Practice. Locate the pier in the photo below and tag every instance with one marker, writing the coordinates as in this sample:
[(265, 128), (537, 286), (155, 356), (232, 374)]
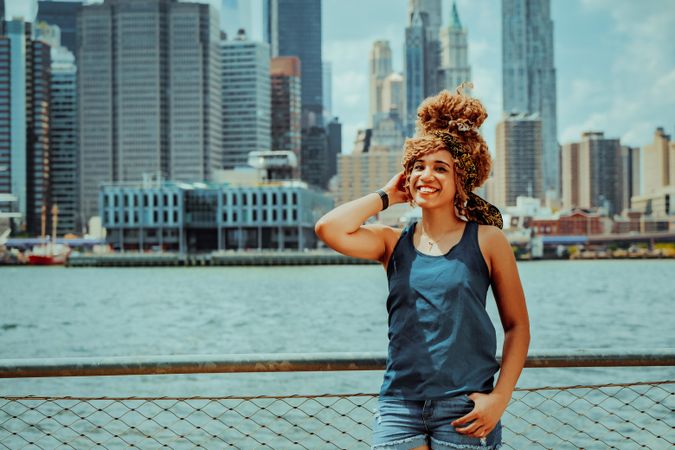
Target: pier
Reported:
[(226, 258)]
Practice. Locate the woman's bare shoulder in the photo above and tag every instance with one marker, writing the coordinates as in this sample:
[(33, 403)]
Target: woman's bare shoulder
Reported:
[(490, 232), (388, 233), (390, 236)]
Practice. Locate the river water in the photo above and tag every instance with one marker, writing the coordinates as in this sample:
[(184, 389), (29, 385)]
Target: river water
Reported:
[(58, 312)]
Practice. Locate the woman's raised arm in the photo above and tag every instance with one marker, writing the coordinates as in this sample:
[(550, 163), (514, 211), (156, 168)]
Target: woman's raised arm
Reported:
[(342, 228)]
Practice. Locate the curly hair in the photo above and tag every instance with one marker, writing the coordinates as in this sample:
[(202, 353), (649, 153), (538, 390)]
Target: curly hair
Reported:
[(460, 116)]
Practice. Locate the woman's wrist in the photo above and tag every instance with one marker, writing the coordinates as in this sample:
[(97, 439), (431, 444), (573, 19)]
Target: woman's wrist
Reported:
[(384, 196)]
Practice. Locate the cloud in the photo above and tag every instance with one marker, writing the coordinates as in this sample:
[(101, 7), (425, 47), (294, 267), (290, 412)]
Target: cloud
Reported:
[(636, 93)]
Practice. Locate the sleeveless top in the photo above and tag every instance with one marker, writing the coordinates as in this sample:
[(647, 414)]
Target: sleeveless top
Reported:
[(441, 340)]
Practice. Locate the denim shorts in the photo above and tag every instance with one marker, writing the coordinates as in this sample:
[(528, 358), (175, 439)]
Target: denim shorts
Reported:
[(404, 424)]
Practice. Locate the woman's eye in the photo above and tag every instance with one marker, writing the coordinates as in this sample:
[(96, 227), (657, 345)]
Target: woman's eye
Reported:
[(442, 169)]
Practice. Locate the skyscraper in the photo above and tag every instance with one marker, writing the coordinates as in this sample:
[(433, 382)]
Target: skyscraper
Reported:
[(393, 97), (24, 121), (630, 164), (380, 68), (294, 29), (659, 162), (334, 135), (422, 56), (600, 173), (517, 165), (570, 175), (314, 157), (286, 105), (327, 91), (149, 93), (414, 62), (63, 14), (246, 99), (454, 69), (529, 77), (63, 141)]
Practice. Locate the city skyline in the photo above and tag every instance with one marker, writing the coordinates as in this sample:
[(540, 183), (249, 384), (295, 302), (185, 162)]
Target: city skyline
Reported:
[(614, 71)]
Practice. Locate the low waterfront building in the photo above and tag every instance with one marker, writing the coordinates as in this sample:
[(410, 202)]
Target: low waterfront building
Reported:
[(202, 217), (634, 222), (659, 202)]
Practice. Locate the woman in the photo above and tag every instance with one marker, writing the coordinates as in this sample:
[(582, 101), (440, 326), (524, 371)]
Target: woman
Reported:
[(438, 389)]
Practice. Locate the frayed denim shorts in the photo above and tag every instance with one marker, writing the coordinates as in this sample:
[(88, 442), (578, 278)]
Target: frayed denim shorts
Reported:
[(404, 424)]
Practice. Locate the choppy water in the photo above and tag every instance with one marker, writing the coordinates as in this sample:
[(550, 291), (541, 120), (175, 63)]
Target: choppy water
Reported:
[(57, 312)]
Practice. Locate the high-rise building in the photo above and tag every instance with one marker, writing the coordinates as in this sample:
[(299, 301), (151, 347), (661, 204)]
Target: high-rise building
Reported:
[(432, 9), (600, 173), (286, 105), (529, 77), (517, 165), (380, 68), (246, 99), (63, 14), (454, 68), (393, 97), (362, 141), (24, 122), (327, 71), (63, 140), (422, 59), (659, 162), (149, 93), (630, 164), (362, 173), (294, 29), (570, 175), (314, 157), (387, 134), (334, 135), (414, 62)]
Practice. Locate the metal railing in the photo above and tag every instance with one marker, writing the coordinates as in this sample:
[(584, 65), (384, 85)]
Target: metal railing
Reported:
[(621, 416)]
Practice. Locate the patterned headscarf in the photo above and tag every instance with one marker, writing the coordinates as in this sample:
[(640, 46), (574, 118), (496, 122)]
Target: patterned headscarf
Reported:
[(476, 208)]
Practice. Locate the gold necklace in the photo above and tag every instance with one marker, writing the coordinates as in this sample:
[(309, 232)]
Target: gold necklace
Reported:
[(431, 243)]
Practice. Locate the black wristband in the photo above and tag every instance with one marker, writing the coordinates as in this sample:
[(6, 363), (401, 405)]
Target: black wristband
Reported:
[(385, 198)]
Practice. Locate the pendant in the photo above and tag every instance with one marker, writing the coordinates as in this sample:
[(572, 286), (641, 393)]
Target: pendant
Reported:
[(431, 244)]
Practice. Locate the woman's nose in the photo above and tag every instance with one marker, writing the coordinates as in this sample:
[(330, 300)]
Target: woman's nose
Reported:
[(426, 173)]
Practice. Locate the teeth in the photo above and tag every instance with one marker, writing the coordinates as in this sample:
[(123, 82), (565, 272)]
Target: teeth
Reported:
[(426, 189)]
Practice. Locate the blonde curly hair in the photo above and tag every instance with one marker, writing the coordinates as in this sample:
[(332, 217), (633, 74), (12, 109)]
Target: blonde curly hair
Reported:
[(459, 116)]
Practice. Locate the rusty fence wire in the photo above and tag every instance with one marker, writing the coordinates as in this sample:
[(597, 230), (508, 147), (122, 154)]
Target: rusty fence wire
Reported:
[(634, 415)]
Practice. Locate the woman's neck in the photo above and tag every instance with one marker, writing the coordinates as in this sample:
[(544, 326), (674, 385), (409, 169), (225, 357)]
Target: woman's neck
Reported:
[(437, 222)]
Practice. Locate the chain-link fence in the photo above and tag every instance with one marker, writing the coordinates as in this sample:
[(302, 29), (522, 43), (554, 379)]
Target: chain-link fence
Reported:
[(621, 416)]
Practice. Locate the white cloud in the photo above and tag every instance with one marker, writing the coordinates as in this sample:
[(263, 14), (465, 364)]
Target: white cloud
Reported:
[(640, 83)]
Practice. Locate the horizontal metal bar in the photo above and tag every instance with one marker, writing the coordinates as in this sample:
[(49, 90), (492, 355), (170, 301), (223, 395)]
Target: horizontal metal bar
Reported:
[(298, 362)]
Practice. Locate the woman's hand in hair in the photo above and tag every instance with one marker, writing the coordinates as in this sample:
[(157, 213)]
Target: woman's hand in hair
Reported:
[(395, 189)]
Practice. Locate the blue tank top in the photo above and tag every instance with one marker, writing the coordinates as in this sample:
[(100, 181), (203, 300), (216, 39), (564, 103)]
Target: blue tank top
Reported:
[(441, 340)]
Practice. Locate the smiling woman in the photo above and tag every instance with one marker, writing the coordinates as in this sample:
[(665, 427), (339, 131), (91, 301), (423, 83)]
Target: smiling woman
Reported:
[(438, 389)]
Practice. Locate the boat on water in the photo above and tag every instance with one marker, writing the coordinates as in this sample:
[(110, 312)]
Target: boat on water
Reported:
[(49, 253)]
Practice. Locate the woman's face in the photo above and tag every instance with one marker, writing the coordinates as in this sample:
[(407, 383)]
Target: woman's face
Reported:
[(432, 180)]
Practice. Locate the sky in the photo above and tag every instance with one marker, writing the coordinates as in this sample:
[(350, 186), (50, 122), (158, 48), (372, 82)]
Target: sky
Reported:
[(615, 59)]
